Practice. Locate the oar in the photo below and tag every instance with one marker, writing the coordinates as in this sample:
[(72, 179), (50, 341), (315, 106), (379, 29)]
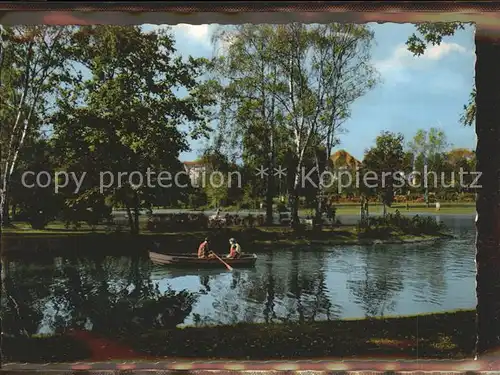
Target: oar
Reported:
[(224, 263)]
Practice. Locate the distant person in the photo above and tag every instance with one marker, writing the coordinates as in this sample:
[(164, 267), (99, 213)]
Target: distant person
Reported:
[(204, 251), (234, 249)]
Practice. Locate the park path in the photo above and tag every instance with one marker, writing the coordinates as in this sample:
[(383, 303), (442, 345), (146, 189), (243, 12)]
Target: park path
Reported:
[(103, 349)]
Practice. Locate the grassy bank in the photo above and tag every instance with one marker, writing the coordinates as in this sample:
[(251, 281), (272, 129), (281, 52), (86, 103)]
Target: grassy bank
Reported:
[(449, 335), (444, 335), (447, 208), (43, 349), (252, 239)]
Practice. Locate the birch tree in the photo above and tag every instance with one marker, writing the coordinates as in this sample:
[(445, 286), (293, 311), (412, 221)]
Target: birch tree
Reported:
[(324, 69), (250, 113), (343, 73), (32, 59), (427, 145)]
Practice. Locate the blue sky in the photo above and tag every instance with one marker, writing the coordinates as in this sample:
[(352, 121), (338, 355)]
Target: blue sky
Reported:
[(415, 92)]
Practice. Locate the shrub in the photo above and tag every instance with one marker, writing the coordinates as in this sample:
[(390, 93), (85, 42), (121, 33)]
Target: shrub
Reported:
[(384, 226)]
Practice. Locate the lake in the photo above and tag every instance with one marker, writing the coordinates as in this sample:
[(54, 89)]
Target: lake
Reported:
[(310, 284)]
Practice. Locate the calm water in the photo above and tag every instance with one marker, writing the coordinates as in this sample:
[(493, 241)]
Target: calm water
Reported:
[(301, 285)]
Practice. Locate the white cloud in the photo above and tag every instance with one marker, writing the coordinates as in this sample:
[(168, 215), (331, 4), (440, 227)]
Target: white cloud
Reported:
[(197, 33), (444, 49), (200, 33), (402, 60)]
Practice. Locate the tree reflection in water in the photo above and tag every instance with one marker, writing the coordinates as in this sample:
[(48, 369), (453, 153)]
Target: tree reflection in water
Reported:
[(115, 294), (23, 299), (291, 289), (107, 295), (382, 281)]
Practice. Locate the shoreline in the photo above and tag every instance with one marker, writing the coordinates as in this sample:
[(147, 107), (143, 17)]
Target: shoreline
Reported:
[(263, 238), (436, 338)]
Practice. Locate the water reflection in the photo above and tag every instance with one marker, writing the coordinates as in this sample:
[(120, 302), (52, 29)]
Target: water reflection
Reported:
[(116, 294)]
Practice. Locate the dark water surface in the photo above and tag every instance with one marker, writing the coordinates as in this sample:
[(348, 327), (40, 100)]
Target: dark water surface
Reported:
[(300, 285)]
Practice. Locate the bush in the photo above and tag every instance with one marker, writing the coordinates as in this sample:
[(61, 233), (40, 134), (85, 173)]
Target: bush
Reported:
[(177, 222), (39, 220), (383, 226)]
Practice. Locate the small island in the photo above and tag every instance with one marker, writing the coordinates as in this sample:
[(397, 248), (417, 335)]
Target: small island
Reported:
[(393, 228)]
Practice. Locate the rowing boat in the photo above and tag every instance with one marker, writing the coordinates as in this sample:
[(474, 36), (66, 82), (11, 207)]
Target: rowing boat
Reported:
[(184, 260)]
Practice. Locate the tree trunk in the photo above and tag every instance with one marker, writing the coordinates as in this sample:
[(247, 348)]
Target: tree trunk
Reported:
[(130, 219), (294, 201), (294, 205), (488, 195), (318, 215), (4, 208), (136, 212), (362, 211), (269, 200), (270, 185)]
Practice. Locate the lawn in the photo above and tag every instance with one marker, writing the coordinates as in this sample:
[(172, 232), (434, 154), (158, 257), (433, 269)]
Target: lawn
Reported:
[(449, 335), (415, 208), (443, 335)]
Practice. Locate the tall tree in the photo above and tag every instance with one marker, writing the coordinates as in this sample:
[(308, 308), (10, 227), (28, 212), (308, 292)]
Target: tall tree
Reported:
[(344, 74), (125, 117), (324, 68), (386, 161), (32, 62), (428, 146), (248, 73)]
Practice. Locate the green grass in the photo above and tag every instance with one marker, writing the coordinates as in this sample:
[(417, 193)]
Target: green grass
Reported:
[(250, 238), (449, 335), (443, 335), (446, 208), (43, 349)]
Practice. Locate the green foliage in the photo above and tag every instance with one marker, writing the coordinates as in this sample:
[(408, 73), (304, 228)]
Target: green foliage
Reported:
[(363, 337), (127, 107), (431, 33), (98, 294), (33, 63), (197, 199), (286, 90), (386, 157), (468, 117), (385, 226), (36, 205), (428, 143)]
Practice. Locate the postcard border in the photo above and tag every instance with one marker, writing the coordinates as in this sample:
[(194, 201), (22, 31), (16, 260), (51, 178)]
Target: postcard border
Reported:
[(486, 16)]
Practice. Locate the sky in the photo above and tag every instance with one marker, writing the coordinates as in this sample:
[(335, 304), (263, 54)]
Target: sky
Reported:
[(414, 92)]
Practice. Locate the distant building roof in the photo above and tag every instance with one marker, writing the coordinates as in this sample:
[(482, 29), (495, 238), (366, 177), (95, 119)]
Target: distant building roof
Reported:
[(193, 163), (344, 158)]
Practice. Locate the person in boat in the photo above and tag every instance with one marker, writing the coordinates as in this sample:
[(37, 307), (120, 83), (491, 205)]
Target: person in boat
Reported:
[(204, 251), (234, 249)]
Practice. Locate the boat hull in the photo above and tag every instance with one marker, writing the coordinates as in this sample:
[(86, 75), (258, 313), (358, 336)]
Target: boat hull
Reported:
[(192, 260)]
